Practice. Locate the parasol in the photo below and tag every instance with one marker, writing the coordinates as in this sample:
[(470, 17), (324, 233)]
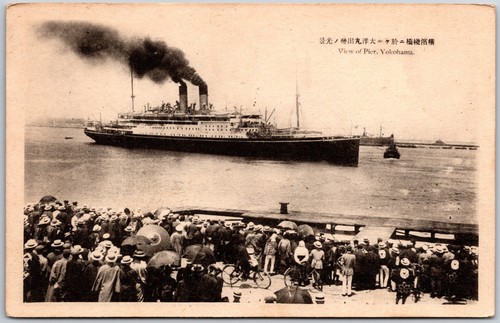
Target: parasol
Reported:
[(305, 230), (164, 258), (159, 237), (288, 225), (48, 199), (197, 254), (136, 242)]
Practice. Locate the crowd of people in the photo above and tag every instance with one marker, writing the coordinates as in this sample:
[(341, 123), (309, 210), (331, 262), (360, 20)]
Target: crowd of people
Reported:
[(74, 254)]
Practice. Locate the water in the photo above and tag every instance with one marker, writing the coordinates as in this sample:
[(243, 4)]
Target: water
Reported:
[(425, 183)]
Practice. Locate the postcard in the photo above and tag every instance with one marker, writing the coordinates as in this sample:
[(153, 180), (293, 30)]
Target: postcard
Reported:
[(250, 160)]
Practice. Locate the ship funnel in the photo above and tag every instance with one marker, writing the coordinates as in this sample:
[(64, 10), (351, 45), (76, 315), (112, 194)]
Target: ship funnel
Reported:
[(203, 96), (183, 97)]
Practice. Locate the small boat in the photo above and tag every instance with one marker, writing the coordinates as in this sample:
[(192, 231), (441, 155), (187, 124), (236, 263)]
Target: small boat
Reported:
[(68, 138), (392, 152)]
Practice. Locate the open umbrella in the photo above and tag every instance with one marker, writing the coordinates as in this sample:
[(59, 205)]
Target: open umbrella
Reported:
[(164, 258), (162, 209), (288, 225), (305, 230), (48, 199), (138, 241), (295, 295), (159, 237), (198, 254)]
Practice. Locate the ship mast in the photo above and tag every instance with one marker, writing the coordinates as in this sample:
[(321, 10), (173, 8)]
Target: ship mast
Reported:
[(297, 101), (132, 87)]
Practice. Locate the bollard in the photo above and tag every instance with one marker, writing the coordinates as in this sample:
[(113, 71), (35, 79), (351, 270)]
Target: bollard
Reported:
[(236, 297), (284, 207), (320, 299)]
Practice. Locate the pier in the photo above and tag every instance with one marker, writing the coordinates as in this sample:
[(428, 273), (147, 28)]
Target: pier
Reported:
[(403, 144), (357, 227)]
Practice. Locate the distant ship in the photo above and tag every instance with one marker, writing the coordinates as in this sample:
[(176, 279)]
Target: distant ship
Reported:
[(367, 140), (392, 152), (188, 129)]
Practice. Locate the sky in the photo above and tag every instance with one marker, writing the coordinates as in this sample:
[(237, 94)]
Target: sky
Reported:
[(254, 57)]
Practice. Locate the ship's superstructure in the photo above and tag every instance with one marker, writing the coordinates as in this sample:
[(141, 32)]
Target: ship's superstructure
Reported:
[(187, 128)]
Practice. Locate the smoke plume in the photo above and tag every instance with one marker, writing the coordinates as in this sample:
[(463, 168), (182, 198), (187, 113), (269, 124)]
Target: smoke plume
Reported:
[(153, 59)]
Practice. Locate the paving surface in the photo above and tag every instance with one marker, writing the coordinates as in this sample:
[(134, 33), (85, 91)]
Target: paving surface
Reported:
[(250, 293)]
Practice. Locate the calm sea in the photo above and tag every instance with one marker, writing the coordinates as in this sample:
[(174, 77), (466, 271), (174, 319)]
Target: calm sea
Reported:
[(425, 183)]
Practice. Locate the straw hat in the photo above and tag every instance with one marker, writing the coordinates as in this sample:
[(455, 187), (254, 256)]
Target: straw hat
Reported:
[(96, 256), (318, 244), (126, 260), (76, 250), (30, 244), (55, 223), (139, 254), (44, 220), (96, 228), (111, 258), (57, 243), (438, 248)]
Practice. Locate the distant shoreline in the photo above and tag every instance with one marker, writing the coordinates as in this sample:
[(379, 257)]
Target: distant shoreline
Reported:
[(56, 126)]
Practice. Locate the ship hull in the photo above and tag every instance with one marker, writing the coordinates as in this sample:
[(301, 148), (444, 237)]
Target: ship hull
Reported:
[(343, 151)]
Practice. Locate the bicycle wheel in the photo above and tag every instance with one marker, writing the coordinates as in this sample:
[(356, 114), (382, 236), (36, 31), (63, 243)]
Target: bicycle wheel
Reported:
[(230, 274), (262, 280), (290, 277)]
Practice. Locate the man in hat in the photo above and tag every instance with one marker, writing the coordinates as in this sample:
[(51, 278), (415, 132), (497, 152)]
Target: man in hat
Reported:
[(55, 231), (347, 262), (139, 265), (285, 253), (317, 257), (89, 275), (56, 253), (128, 280), (437, 271), (193, 282), (383, 255), (210, 287), (32, 272), (56, 291), (176, 240), (81, 236), (74, 277), (95, 236), (107, 282), (41, 232)]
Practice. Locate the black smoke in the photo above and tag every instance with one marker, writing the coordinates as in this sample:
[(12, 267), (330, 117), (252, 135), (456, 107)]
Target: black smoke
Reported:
[(146, 58)]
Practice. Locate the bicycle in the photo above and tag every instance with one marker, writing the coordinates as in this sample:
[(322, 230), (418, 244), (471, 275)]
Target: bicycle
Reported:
[(231, 275), (294, 275)]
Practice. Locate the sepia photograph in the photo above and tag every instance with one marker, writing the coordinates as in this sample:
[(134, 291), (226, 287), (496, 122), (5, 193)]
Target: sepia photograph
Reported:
[(250, 160)]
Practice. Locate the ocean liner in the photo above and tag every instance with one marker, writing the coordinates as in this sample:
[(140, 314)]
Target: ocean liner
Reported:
[(202, 130)]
